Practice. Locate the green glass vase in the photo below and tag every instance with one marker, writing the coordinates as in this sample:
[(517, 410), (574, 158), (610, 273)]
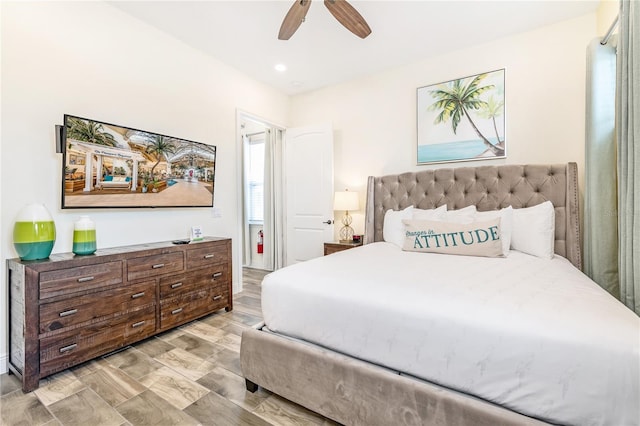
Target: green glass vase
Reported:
[(84, 236), (34, 232)]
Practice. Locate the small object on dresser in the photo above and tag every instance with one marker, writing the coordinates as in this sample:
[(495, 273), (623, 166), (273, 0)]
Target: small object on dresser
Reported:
[(196, 233), (181, 241), (357, 238), (84, 236), (34, 232)]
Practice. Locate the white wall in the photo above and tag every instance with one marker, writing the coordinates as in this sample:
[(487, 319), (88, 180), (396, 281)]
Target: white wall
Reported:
[(606, 14), (92, 60), (374, 118)]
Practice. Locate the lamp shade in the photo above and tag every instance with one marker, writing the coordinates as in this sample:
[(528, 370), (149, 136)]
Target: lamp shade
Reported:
[(345, 200)]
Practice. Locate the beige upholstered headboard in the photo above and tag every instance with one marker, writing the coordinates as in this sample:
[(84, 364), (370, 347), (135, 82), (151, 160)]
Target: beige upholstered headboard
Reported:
[(489, 188)]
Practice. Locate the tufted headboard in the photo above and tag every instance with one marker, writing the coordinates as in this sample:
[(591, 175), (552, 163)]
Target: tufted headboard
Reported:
[(489, 188)]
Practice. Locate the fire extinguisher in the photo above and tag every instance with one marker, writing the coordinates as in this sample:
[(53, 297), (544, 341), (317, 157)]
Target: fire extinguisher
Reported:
[(260, 241)]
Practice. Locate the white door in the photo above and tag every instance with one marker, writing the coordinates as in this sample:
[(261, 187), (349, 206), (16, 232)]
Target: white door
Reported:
[(309, 191)]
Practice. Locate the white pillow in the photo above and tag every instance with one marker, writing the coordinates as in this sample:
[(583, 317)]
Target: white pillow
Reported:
[(534, 230), (393, 228), (463, 215), (506, 225), (431, 214), (469, 239)]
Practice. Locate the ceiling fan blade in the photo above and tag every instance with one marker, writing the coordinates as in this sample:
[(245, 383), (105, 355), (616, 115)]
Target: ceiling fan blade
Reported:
[(348, 16), (294, 18)]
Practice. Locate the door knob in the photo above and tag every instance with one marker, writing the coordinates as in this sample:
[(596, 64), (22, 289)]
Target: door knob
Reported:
[(328, 222)]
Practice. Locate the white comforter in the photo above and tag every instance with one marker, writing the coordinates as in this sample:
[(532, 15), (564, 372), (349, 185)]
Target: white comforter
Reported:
[(534, 335)]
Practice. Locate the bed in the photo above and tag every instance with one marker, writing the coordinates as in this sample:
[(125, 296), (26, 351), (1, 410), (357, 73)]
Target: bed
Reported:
[(362, 337)]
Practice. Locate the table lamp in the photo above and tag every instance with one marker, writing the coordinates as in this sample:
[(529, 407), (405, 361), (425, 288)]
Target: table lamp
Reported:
[(345, 200)]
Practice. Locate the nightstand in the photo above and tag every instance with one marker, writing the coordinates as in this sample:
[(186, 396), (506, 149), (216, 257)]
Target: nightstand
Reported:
[(334, 247)]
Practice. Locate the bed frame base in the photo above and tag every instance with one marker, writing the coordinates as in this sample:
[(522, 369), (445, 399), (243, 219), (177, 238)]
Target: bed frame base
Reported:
[(251, 387), (354, 392)]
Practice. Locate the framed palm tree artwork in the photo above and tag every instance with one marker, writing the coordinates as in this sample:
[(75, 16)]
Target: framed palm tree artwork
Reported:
[(462, 119)]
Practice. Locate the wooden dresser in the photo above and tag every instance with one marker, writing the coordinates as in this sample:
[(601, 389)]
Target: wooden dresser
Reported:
[(69, 309)]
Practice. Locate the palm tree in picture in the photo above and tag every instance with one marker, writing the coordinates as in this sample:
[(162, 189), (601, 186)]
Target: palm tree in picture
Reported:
[(160, 147), (491, 110), (455, 99), (89, 131)]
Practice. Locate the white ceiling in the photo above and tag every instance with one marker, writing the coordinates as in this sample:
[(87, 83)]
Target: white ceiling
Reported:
[(243, 34)]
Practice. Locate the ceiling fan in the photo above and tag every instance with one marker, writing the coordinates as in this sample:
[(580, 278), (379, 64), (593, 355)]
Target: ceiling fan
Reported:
[(346, 14)]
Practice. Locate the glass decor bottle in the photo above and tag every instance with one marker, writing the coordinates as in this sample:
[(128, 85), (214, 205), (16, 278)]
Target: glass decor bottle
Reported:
[(84, 236), (34, 232)]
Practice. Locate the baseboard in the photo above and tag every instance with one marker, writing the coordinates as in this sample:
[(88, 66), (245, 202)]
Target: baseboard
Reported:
[(4, 366)]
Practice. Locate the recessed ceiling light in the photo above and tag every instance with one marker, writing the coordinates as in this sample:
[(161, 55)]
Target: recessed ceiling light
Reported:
[(280, 67)]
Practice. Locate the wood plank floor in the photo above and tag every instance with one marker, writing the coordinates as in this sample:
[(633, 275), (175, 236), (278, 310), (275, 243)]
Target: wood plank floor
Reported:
[(187, 376)]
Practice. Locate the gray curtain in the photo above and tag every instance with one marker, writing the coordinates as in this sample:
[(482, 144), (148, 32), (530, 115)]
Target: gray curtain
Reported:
[(246, 236), (628, 135), (600, 196), (273, 204)]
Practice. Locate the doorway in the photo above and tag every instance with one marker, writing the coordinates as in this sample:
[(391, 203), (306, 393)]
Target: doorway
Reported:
[(261, 182), (253, 148), (295, 194)]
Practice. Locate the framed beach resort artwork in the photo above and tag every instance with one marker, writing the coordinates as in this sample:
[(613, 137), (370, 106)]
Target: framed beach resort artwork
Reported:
[(462, 119)]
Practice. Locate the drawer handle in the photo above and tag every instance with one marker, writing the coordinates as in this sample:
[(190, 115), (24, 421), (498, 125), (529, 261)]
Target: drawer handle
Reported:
[(69, 312), (135, 296), (85, 279), (217, 275), (176, 311), (68, 348), (209, 256), (176, 285), (158, 266), (218, 297), (137, 324)]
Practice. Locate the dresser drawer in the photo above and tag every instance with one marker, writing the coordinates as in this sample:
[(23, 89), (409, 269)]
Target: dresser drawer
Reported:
[(192, 305), (77, 310), (151, 266), (210, 254), (191, 281), (73, 280), (79, 345)]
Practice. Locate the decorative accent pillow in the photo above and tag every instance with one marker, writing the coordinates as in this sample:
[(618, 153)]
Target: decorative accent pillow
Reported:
[(506, 225), (534, 230), (431, 214), (468, 239), (463, 215), (392, 228)]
